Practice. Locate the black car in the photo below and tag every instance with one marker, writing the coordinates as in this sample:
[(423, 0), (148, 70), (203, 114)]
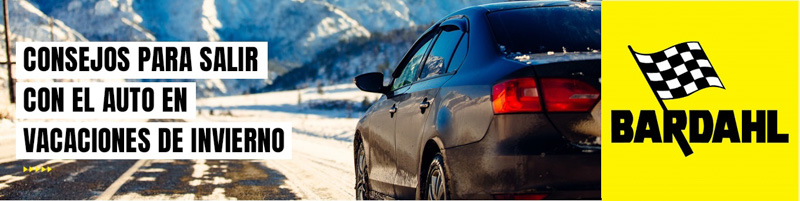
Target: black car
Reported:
[(498, 101)]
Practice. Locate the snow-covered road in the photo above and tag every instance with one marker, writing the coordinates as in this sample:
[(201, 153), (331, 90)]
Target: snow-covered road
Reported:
[(322, 157), (321, 166)]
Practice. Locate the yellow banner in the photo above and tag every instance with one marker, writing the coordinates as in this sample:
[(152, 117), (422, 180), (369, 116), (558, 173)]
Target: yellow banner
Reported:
[(753, 47)]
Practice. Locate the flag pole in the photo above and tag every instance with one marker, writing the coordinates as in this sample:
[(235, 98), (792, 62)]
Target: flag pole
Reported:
[(682, 142), (648, 80)]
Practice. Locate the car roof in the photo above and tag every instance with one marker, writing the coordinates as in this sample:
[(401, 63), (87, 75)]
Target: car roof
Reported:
[(530, 4)]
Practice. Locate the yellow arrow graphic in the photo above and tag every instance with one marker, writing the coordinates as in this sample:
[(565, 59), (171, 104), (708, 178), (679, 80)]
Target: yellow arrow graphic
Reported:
[(37, 169)]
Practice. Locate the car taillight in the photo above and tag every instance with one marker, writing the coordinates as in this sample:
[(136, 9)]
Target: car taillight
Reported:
[(568, 95), (520, 196), (554, 95), (516, 95)]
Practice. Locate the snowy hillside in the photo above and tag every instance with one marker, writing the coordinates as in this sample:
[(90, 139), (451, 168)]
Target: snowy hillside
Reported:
[(311, 41), (103, 20), (333, 40), (386, 15), (170, 21), (339, 64), (30, 24), (295, 28)]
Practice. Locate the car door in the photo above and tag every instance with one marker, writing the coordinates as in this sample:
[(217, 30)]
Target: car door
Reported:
[(381, 146), (417, 104), (382, 160)]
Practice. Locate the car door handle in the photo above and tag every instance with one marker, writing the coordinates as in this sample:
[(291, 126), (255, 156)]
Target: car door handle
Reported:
[(424, 104), (393, 109)]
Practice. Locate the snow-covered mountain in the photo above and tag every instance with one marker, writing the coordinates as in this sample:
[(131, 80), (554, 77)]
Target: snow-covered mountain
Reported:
[(180, 20), (99, 20), (30, 24), (297, 30), (386, 15), (294, 28), (340, 63)]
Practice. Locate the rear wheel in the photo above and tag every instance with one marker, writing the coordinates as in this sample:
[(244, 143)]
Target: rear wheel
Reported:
[(435, 186), (362, 190)]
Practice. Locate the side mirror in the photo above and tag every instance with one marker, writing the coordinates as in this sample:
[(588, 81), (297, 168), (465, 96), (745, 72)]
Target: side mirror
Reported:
[(370, 82)]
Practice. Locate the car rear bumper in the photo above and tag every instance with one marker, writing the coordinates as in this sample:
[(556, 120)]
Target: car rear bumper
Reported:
[(523, 154)]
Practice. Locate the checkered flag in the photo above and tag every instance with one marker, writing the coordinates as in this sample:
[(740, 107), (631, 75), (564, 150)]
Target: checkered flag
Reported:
[(678, 71)]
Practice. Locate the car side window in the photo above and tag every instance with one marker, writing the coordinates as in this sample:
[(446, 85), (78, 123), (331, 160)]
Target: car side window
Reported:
[(411, 69), (460, 54), (441, 53)]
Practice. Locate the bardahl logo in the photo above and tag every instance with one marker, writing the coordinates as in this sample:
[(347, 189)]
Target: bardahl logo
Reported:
[(677, 72)]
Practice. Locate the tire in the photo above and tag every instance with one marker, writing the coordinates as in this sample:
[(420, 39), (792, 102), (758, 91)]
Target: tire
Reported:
[(435, 186), (362, 189)]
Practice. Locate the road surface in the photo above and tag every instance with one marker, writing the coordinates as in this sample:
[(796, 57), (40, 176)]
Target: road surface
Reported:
[(321, 166), (316, 171)]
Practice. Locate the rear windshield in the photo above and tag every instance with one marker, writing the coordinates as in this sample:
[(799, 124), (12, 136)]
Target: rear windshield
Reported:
[(547, 29)]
